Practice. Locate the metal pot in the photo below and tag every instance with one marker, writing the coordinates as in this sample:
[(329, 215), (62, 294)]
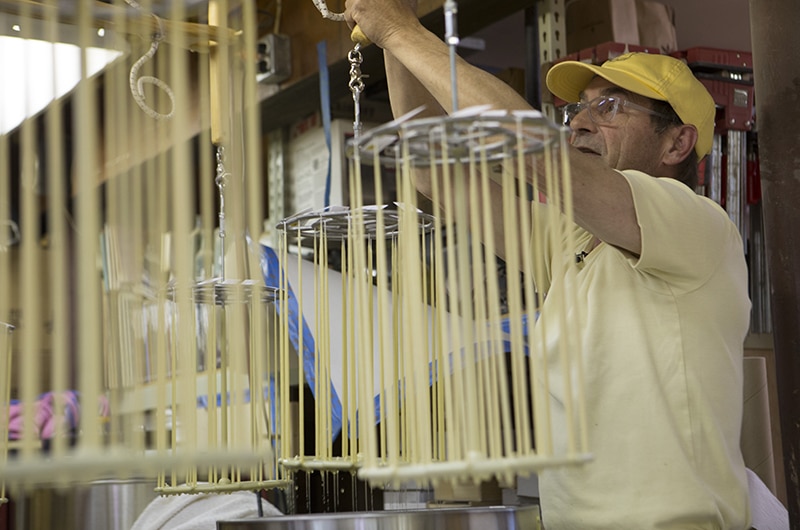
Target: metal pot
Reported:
[(480, 518), (105, 504)]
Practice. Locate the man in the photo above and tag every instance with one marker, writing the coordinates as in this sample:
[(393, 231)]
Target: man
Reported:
[(663, 281)]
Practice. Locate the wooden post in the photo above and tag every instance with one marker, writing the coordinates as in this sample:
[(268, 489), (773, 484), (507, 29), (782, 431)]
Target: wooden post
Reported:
[(219, 72), (776, 64)]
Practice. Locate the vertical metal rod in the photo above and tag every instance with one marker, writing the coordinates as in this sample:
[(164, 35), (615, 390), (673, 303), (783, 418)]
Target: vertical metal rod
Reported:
[(533, 65), (714, 171), (775, 65), (452, 40), (735, 186)]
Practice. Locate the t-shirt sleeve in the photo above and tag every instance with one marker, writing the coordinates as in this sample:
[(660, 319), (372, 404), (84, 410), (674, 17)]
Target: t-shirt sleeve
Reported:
[(683, 233)]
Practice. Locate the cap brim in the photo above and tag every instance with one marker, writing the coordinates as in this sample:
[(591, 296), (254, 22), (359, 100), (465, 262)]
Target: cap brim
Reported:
[(566, 80)]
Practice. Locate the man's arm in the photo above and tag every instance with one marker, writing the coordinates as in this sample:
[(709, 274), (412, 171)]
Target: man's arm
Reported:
[(406, 93), (418, 66)]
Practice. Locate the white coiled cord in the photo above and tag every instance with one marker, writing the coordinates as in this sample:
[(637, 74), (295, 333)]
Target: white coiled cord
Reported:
[(323, 9), (137, 83)]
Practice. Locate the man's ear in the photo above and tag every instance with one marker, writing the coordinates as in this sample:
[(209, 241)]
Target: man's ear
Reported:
[(684, 138)]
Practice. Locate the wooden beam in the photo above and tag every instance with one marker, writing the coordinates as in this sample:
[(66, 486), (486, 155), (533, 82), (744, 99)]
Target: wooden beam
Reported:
[(200, 37), (775, 67)]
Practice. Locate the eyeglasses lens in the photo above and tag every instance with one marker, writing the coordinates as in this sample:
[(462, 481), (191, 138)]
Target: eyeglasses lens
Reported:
[(601, 110)]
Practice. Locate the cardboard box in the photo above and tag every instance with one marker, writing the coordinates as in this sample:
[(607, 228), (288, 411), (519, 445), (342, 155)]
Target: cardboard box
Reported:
[(656, 24), (590, 22), (636, 22)]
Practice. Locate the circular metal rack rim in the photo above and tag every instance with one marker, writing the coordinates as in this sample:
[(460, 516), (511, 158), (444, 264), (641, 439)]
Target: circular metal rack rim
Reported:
[(336, 223), (223, 292), (494, 136)]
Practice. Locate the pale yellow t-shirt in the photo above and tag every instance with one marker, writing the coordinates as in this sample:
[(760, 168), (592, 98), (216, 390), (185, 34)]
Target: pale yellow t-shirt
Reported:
[(662, 352)]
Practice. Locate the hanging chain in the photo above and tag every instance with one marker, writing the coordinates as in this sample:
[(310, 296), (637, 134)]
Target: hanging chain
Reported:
[(356, 85), (222, 181)]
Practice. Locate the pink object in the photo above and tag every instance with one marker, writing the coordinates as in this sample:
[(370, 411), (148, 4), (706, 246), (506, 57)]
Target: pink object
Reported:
[(54, 412)]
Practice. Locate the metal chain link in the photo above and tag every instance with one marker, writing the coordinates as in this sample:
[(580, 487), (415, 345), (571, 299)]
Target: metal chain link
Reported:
[(222, 181), (356, 85)]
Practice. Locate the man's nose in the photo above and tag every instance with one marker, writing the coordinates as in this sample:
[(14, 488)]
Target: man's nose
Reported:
[(582, 121)]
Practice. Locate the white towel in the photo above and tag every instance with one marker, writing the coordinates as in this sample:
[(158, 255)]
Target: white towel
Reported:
[(766, 510), (200, 511)]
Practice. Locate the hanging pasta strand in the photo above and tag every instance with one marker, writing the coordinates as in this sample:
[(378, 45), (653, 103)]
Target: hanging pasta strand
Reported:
[(164, 359), (466, 387), (165, 355), (334, 412)]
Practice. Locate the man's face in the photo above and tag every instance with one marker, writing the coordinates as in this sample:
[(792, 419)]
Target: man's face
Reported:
[(629, 141)]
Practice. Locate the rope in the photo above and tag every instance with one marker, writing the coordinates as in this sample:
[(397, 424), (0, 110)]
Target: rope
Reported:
[(323, 9), (137, 83)]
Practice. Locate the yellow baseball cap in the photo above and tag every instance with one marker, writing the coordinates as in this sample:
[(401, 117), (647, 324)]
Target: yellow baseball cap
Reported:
[(651, 75)]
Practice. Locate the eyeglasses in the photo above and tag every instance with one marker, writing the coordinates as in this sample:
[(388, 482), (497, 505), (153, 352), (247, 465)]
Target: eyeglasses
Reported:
[(603, 109)]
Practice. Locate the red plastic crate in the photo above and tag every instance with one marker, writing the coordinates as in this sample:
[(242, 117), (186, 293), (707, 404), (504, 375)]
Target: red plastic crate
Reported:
[(610, 50), (698, 58), (728, 76)]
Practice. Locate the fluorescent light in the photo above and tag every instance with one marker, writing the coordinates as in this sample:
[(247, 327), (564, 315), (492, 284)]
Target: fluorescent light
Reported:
[(36, 72)]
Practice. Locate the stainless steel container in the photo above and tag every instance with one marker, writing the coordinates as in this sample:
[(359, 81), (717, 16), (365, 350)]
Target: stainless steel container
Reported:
[(480, 518), (104, 504)]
